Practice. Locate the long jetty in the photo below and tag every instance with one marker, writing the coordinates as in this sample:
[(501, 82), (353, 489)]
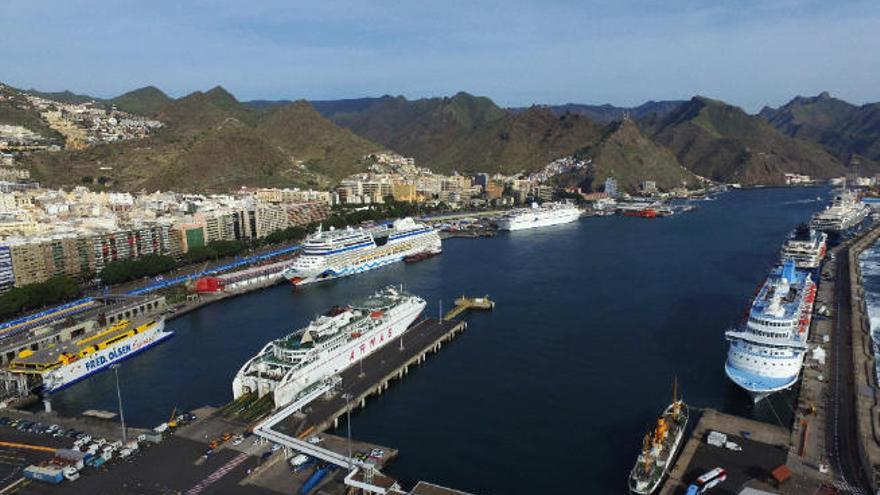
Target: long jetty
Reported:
[(373, 375)]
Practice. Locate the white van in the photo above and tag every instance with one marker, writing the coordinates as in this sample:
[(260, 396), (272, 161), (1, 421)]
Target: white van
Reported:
[(70, 473)]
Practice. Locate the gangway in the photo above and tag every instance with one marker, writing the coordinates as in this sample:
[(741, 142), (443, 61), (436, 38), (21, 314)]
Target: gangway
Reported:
[(264, 430)]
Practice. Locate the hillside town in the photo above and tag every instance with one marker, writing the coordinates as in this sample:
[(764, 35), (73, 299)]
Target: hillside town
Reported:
[(80, 124)]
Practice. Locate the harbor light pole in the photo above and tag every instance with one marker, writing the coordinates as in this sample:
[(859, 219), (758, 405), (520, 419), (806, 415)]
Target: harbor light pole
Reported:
[(119, 396), (348, 398)]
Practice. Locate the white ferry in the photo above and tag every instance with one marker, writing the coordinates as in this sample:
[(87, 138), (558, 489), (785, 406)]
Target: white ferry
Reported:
[(338, 253), (68, 362), (767, 353), (290, 365), (806, 247), (845, 212), (539, 216)]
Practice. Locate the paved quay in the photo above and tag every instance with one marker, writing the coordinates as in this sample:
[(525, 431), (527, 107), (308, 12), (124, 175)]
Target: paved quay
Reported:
[(764, 449)]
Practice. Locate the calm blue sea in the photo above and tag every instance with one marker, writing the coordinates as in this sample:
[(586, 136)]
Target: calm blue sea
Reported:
[(593, 321)]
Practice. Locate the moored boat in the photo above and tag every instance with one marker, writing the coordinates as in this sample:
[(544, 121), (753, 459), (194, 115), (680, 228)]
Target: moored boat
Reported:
[(538, 216), (413, 258), (660, 447), (767, 352), (644, 213), (66, 363), (289, 366), (339, 253)]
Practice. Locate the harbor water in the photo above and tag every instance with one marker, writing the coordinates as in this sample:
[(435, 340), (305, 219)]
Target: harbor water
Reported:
[(557, 386)]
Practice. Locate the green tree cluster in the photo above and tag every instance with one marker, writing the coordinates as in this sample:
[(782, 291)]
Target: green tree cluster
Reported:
[(146, 266), (31, 296)]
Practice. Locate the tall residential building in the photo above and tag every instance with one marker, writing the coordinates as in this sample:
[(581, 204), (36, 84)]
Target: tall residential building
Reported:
[(404, 191), (28, 264), (7, 275), (611, 187), (270, 218)]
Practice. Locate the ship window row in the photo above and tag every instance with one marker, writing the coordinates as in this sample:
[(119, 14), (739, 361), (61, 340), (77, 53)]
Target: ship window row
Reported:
[(765, 363), (772, 335), (768, 323), (754, 352)]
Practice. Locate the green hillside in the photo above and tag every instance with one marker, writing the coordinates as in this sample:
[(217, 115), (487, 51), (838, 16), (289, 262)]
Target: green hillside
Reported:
[(723, 143), (213, 143), (630, 157), (145, 101), (850, 132)]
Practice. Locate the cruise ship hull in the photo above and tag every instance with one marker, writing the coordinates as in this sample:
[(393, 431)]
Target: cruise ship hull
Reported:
[(767, 354), (66, 376), (304, 277), (315, 268), (758, 387), (527, 221), (331, 363)]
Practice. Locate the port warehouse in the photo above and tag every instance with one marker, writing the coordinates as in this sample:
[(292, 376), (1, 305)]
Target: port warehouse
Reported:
[(242, 279)]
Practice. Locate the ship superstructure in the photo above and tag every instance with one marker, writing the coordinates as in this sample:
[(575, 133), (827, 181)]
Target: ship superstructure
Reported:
[(333, 342), (806, 247), (659, 447), (767, 352), (330, 254), (539, 216), (68, 362), (845, 212)]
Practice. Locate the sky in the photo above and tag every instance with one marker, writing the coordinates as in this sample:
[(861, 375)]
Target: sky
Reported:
[(750, 52)]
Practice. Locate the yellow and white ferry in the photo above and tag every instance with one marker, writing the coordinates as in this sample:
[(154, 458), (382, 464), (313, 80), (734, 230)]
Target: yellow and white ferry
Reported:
[(68, 362)]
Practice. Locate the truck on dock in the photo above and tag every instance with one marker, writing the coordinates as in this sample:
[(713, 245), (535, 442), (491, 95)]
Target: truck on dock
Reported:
[(46, 474)]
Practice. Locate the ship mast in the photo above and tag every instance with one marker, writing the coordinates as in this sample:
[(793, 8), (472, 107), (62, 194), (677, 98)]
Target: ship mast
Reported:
[(676, 403)]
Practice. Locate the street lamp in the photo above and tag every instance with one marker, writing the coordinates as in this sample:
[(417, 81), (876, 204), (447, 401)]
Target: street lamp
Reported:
[(115, 368), (348, 398)]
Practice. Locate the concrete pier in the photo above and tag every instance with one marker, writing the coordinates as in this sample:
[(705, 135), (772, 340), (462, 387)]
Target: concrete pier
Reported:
[(380, 369)]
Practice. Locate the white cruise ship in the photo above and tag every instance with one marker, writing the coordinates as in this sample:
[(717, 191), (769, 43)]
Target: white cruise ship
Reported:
[(290, 365), (845, 212), (539, 216), (338, 253), (806, 247), (766, 354), (66, 363)]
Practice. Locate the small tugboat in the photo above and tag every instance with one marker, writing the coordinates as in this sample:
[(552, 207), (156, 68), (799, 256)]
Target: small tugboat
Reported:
[(420, 256), (660, 447)]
